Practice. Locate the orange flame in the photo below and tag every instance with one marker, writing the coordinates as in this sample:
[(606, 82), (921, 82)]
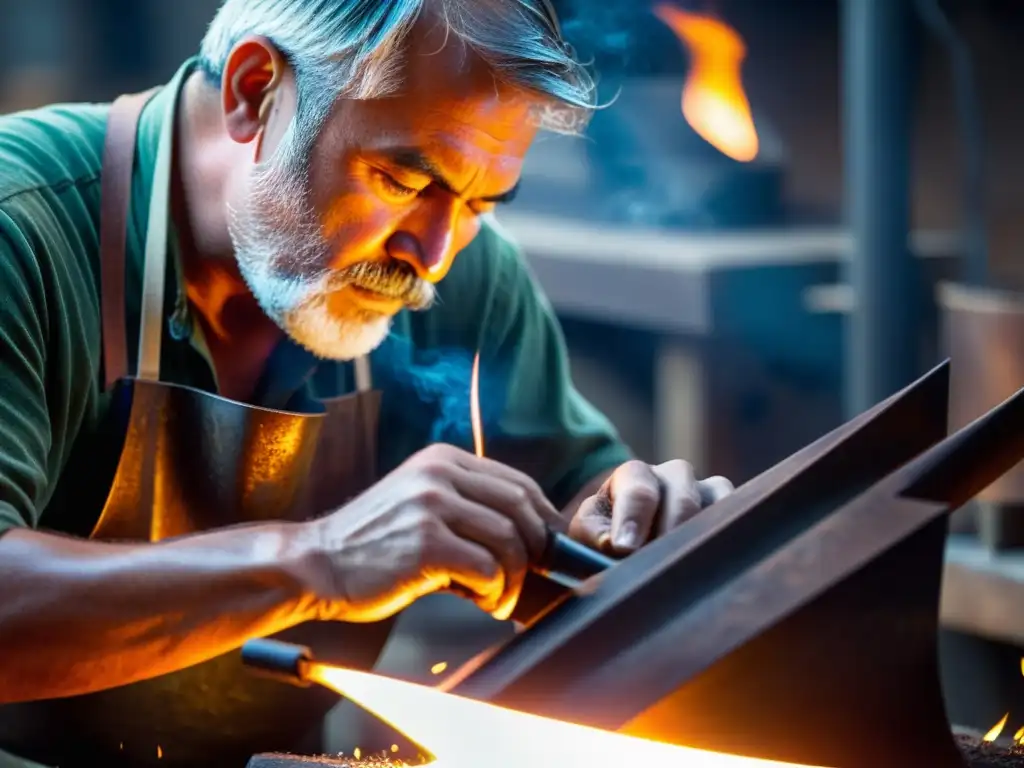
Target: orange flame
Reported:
[(996, 729), (460, 731), (714, 102), (474, 408)]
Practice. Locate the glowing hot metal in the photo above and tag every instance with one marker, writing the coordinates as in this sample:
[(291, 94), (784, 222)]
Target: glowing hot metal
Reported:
[(463, 733)]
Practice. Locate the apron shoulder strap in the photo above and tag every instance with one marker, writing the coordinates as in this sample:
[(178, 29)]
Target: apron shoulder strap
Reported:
[(115, 200)]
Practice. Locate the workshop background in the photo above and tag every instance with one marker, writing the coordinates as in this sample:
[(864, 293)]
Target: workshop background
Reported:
[(789, 209)]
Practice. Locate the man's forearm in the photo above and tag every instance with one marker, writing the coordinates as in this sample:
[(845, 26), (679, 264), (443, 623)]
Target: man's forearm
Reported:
[(78, 616)]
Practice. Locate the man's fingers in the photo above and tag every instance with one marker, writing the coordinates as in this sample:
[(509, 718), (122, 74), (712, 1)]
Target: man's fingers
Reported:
[(635, 492), (638, 500), (681, 494), (592, 523), (714, 489), (490, 468), (510, 500), (468, 567), (497, 534), (619, 518)]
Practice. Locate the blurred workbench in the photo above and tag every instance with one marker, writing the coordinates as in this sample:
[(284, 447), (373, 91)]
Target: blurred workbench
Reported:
[(727, 311)]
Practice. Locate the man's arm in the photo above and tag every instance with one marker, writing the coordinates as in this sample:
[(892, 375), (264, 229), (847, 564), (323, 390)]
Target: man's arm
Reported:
[(77, 616)]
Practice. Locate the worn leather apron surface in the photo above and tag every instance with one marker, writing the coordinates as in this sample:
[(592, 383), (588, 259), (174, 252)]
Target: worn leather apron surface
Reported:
[(193, 461)]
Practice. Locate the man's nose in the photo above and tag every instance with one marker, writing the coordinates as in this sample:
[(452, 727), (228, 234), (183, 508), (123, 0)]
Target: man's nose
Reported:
[(425, 244)]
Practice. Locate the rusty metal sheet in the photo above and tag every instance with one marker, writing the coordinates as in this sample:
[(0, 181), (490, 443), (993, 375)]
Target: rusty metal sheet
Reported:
[(795, 620)]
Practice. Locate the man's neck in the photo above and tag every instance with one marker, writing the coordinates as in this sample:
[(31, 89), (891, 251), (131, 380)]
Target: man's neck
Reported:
[(240, 336)]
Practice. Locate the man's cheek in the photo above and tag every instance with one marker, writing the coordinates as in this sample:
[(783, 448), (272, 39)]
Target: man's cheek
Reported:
[(354, 212), (466, 228)]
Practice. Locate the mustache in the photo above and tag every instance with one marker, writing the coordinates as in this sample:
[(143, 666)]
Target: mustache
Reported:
[(396, 280)]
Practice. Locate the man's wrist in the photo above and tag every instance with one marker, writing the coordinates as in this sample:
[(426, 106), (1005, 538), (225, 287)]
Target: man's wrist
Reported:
[(303, 562)]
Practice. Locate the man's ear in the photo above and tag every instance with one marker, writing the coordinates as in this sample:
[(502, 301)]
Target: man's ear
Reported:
[(252, 72)]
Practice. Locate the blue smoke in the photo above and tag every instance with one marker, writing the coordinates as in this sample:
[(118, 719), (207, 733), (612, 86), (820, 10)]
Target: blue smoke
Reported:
[(432, 386), (622, 37)]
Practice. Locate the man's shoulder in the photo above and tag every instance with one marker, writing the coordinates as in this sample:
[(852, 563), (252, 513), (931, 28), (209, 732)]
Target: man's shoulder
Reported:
[(55, 147), (50, 163), (50, 160)]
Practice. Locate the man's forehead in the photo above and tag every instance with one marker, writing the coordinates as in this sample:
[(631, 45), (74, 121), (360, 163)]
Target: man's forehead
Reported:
[(441, 73), (448, 93), (449, 107)]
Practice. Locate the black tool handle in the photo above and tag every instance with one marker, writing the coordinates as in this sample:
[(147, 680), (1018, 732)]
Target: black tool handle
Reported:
[(570, 562), (285, 662)]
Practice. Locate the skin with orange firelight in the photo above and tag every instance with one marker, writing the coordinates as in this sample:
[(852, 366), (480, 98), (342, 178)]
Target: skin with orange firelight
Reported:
[(392, 190), (324, 243)]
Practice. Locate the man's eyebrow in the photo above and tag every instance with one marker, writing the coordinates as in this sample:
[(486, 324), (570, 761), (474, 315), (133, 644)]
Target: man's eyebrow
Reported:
[(414, 160), (503, 197)]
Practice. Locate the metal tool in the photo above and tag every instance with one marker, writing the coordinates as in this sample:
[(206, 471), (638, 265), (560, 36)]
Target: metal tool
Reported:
[(570, 563), (284, 662)]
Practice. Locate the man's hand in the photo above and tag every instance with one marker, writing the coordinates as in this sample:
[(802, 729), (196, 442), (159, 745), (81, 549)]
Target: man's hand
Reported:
[(444, 520), (639, 502)]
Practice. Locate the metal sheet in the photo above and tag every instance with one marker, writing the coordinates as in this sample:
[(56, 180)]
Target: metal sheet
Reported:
[(796, 620)]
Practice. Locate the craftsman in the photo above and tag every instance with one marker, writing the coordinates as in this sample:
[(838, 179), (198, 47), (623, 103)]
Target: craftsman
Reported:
[(236, 322)]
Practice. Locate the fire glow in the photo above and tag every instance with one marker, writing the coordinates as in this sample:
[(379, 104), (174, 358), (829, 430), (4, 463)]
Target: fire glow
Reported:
[(463, 733), (997, 730), (714, 102), (474, 409)]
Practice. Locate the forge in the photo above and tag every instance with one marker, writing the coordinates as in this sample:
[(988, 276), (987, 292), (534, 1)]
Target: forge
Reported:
[(677, 145), (651, 168), (795, 621)]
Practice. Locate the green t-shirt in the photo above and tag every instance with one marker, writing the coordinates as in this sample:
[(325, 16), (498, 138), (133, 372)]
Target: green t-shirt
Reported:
[(52, 407)]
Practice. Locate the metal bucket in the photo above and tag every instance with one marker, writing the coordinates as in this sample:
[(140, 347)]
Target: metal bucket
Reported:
[(983, 333)]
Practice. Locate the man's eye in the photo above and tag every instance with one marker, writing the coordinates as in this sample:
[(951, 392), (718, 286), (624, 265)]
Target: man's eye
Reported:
[(393, 189)]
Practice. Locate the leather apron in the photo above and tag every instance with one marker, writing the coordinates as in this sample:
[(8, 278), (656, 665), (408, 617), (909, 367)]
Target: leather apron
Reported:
[(192, 461)]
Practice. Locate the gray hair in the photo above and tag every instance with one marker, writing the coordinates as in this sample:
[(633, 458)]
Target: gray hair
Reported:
[(352, 49)]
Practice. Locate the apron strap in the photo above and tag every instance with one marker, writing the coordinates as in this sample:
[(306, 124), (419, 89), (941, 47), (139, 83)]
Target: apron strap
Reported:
[(364, 376), (154, 274), (115, 201)]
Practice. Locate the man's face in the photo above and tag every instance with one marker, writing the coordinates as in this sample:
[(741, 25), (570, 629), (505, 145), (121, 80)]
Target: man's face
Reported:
[(395, 188)]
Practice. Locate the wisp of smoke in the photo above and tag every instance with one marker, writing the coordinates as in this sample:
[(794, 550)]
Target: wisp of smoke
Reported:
[(432, 387)]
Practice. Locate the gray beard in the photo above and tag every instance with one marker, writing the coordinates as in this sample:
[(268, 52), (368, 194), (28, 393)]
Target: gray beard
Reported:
[(282, 255)]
